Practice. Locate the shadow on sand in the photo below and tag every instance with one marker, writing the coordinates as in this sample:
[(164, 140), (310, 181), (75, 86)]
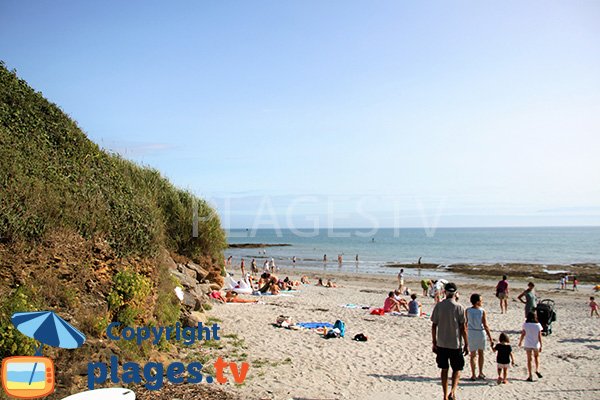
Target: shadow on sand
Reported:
[(417, 378), (579, 340)]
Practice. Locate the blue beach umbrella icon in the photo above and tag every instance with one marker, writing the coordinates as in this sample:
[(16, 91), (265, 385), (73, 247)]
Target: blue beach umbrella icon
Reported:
[(47, 328)]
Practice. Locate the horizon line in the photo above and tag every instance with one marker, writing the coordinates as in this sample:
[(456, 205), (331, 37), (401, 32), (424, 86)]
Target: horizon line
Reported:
[(421, 227)]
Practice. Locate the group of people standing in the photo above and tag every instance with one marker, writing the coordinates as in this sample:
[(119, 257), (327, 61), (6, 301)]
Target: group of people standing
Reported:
[(457, 333), (564, 282)]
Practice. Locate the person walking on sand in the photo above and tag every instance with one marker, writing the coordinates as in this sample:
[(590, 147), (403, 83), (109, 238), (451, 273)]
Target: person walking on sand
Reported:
[(504, 358), (502, 294), (448, 333), (532, 334), (593, 307), (476, 327), (401, 280), (528, 298), (575, 282)]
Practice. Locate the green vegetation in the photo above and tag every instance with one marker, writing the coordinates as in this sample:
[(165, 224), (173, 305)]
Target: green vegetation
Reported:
[(58, 184), (54, 177), (12, 341), (129, 287), (213, 320), (129, 291), (167, 309)]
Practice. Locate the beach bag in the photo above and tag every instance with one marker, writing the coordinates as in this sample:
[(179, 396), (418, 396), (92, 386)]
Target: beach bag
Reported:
[(339, 324), (359, 337)]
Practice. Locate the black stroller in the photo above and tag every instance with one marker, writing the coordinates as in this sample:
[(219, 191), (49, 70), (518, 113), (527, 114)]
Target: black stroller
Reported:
[(546, 315)]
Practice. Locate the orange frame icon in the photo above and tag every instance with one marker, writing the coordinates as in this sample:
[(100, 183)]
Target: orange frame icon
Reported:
[(41, 387)]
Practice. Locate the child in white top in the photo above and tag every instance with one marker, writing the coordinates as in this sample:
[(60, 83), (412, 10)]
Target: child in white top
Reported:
[(532, 334)]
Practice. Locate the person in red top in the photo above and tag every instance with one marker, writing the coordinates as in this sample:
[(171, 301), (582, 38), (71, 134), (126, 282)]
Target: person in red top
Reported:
[(502, 294), (391, 304)]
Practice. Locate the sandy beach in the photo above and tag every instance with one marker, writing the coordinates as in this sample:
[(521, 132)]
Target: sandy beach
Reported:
[(397, 362)]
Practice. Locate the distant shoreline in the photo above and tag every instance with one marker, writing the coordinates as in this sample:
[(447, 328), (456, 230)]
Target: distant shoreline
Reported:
[(256, 245), (588, 272)]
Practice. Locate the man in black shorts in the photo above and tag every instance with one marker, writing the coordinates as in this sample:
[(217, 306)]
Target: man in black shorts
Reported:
[(448, 332)]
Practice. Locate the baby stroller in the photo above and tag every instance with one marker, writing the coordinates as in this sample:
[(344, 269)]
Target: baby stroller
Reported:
[(546, 315)]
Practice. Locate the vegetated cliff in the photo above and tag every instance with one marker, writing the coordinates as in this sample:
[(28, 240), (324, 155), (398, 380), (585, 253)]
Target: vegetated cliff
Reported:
[(91, 235)]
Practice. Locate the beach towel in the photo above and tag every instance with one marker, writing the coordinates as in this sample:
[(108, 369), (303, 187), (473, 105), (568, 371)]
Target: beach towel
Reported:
[(314, 325), (352, 306), (270, 294), (398, 314), (378, 311)]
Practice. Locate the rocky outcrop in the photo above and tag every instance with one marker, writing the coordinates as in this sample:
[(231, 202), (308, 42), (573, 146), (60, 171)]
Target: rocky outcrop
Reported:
[(196, 284)]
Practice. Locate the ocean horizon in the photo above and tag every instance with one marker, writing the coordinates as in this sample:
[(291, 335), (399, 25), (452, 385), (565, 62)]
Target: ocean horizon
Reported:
[(444, 246)]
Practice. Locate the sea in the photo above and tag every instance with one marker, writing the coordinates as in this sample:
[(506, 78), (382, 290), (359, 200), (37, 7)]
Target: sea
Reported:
[(376, 249)]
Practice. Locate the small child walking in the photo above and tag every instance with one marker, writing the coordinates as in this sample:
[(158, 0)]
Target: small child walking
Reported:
[(593, 307), (504, 357)]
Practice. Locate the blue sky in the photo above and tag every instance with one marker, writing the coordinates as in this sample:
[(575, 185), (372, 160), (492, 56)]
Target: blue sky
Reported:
[(467, 113)]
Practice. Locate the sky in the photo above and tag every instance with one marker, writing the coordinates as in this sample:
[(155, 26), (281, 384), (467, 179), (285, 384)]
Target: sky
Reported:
[(353, 113)]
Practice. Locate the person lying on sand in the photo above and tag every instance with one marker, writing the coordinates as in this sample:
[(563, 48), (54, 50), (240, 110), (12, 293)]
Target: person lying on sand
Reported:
[(232, 297), (320, 282), (304, 280), (290, 283), (331, 284), (283, 285), (216, 295)]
